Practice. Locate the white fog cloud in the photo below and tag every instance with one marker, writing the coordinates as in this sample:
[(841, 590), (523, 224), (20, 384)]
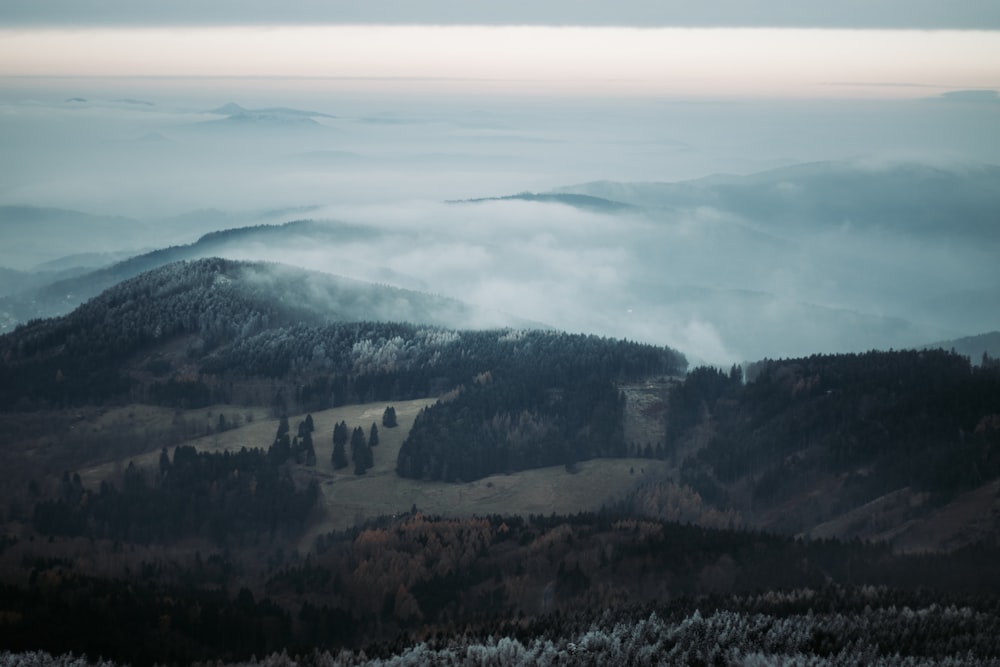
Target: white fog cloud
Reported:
[(716, 276)]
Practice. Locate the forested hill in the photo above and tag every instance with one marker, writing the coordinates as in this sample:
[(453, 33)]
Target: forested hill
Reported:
[(209, 303), (61, 294), (542, 400), (829, 433), (510, 399)]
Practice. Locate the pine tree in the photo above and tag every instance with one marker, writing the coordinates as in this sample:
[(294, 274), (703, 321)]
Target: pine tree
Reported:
[(389, 417), (302, 449), (310, 452), (339, 457), (360, 452), (373, 436), (164, 462), (281, 449)]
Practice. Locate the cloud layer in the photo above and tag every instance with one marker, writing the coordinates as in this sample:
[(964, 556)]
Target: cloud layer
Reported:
[(724, 269)]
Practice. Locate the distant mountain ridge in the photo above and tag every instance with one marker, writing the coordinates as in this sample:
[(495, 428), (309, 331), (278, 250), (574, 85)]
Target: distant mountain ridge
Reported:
[(233, 109), (911, 197), (581, 201), (237, 116), (972, 347), (62, 295)]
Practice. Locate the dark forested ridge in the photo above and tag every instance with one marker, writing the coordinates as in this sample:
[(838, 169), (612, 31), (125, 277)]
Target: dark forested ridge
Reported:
[(544, 400), (229, 498), (515, 399), (215, 331), (859, 426), (577, 582), (212, 303)]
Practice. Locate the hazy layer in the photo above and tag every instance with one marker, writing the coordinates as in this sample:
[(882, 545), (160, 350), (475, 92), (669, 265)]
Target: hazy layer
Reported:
[(715, 279)]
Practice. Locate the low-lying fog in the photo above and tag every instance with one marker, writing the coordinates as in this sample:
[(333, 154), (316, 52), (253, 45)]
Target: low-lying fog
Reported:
[(714, 270)]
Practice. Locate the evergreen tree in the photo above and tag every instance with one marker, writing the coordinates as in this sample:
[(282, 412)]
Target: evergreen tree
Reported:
[(373, 436), (340, 434), (302, 447), (164, 462), (357, 443), (281, 450), (361, 453), (310, 451), (389, 417), (339, 457), (282, 427)]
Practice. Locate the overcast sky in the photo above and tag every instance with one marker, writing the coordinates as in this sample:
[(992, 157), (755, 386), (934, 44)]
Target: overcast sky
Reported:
[(923, 14)]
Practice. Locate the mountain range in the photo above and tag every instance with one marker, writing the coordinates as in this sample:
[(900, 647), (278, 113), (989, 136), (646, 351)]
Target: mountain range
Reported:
[(856, 480), (823, 257)]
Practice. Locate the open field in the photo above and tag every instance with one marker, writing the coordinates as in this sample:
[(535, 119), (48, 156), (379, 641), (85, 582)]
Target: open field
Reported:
[(348, 498)]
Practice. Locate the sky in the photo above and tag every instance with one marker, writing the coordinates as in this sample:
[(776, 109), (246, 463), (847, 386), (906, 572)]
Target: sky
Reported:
[(731, 49), (737, 62)]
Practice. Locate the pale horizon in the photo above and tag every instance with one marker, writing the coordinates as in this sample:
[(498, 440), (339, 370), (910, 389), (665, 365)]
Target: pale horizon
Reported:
[(778, 63)]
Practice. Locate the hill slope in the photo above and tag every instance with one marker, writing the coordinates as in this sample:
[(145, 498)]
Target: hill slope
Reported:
[(58, 295), (209, 303), (862, 445)]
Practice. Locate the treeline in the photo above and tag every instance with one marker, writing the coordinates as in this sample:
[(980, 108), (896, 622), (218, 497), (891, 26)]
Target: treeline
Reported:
[(888, 631), (421, 570), (513, 399), (138, 622), (83, 357), (230, 498), (78, 357), (382, 586), (925, 419), (762, 630), (381, 361), (242, 322), (542, 399)]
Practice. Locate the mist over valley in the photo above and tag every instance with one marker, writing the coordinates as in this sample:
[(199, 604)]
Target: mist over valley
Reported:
[(859, 253)]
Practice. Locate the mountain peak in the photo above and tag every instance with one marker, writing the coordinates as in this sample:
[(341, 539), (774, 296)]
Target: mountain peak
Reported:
[(230, 109)]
